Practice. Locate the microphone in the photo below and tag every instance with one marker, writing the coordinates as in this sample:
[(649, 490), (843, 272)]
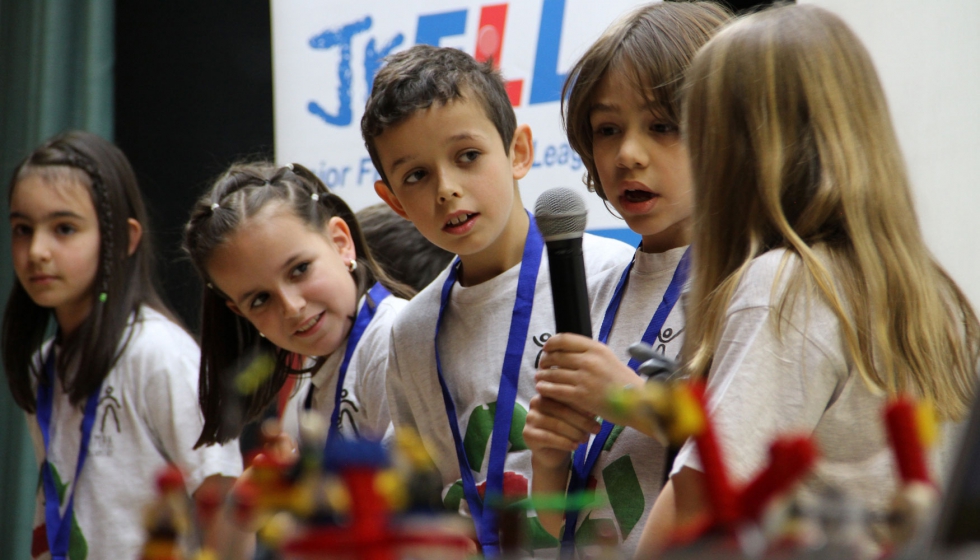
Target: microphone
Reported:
[(560, 214)]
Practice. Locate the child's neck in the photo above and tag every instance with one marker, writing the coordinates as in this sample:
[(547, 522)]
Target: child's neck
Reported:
[(677, 235), (505, 252)]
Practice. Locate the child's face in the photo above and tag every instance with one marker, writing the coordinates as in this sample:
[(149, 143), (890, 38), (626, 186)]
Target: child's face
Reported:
[(451, 176), (289, 281), (55, 245), (642, 164)]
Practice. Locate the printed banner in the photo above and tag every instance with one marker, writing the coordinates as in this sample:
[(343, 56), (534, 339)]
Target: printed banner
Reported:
[(326, 53)]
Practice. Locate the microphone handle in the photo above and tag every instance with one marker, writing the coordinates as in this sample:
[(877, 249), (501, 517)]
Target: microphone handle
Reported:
[(568, 288)]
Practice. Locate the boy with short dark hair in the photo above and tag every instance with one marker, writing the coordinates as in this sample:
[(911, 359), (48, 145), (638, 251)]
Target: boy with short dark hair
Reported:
[(443, 135)]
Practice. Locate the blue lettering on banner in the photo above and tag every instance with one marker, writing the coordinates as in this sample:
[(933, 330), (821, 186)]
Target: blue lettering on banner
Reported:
[(557, 155), (546, 81), (373, 57), (341, 38), (433, 27), (367, 170)]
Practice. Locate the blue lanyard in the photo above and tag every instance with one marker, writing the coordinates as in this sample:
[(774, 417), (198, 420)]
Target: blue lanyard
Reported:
[(375, 296), (486, 519), (59, 526), (586, 456)]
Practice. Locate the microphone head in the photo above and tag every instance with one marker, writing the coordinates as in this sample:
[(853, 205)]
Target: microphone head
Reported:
[(560, 214)]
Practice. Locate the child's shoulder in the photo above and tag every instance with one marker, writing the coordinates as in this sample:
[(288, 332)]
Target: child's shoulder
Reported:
[(156, 336), (423, 309), (602, 253)]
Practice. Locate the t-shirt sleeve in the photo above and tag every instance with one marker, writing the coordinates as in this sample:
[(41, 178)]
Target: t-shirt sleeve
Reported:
[(764, 384), (172, 414), (398, 407), (370, 387)]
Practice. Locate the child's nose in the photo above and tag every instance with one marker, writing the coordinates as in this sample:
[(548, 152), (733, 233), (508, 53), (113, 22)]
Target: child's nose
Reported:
[(292, 303), (448, 188), (40, 248), (633, 152)]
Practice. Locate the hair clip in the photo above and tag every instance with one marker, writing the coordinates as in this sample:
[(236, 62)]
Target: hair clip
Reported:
[(215, 206), (210, 285), (103, 297), (315, 197)]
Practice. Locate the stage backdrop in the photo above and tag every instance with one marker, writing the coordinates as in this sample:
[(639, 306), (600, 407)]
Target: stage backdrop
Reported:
[(325, 53), (325, 56)]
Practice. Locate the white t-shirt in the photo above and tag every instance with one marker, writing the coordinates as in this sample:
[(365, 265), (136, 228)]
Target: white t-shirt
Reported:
[(762, 386), (472, 342), (630, 469), (147, 416), (363, 405)]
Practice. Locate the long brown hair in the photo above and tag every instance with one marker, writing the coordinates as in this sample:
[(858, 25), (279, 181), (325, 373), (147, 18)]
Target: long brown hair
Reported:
[(229, 342), (792, 147)]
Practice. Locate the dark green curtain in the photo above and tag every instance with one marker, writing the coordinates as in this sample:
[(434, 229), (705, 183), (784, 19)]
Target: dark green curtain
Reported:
[(56, 73)]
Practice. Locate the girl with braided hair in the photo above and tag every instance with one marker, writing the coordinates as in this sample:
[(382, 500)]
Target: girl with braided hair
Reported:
[(289, 276), (119, 363)]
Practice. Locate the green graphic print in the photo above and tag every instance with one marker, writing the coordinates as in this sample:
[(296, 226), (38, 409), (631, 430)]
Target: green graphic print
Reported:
[(622, 488), (476, 444)]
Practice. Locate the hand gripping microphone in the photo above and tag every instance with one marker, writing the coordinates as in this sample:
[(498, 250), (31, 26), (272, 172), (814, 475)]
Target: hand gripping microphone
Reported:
[(560, 214)]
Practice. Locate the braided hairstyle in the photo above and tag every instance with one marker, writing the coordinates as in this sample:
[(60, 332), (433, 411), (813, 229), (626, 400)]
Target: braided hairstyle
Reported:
[(122, 284), (229, 342)]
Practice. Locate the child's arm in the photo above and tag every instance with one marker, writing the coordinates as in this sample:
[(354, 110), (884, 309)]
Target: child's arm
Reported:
[(681, 502), (581, 373), (553, 430)]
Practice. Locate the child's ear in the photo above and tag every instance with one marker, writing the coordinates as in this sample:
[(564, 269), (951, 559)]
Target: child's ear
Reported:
[(522, 151), (135, 235), (390, 199), (338, 232)]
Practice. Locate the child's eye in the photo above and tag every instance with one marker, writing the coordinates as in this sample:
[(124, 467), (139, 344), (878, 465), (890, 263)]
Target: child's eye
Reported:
[(414, 176), (605, 130), (469, 156), (65, 229), (663, 128), (258, 300), (20, 229), (300, 269)]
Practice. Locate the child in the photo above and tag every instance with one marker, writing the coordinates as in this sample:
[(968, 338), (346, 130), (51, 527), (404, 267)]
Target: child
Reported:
[(621, 115), (119, 365), (814, 295), (287, 272), (443, 135)]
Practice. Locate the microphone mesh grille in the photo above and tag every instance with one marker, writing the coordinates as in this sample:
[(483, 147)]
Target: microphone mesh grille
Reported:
[(560, 212)]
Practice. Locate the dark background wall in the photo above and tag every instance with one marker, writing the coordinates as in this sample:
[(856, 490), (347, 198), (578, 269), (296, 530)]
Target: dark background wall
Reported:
[(193, 92)]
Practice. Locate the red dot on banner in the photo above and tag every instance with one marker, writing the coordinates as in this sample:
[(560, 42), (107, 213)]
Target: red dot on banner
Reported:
[(488, 41)]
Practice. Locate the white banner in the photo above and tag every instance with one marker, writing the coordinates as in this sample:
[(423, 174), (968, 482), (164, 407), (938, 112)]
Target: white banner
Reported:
[(326, 53)]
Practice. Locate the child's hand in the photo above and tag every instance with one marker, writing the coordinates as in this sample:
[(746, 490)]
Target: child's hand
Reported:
[(277, 444), (553, 430), (580, 372)]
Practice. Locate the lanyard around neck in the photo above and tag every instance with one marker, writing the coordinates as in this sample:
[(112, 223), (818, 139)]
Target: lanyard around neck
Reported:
[(586, 455), (374, 297), (485, 519), (58, 526)]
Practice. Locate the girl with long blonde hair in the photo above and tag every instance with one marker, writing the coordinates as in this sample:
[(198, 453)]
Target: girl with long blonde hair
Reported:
[(814, 295)]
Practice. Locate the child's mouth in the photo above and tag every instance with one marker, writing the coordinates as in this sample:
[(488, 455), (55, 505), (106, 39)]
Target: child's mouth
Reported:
[(309, 324), (457, 221), (638, 196)]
